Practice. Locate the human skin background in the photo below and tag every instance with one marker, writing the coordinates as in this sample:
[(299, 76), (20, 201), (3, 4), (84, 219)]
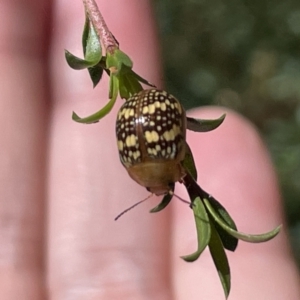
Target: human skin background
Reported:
[(61, 183)]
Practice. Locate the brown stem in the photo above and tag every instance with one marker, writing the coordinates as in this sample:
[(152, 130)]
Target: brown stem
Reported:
[(107, 39), (193, 188)]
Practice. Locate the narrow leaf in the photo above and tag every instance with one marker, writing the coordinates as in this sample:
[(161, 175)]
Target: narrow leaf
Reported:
[(93, 50), (220, 260), (220, 209), (229, 241), (128, 85), (123, 58), (123, 89), (105, 110), (200, 125), (202, 227), (96, 73), (85, 33), (77, 63), (113, 87), (251, 238), (133, 86), (188, 162), (142, 80), (94, 118)]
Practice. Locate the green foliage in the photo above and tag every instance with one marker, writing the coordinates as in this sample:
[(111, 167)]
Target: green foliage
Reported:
[(216, 229), (113, 94), (203, 228), (117, 64), (219, 257), (229, 228), (200, 125), (92, 54)]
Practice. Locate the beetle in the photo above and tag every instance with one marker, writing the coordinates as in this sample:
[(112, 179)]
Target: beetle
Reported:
[(151, 139)]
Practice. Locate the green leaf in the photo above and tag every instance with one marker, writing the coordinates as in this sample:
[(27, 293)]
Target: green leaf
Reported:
[(165, 201), (123, 58), (94, 118), (229, 241), (118, 62), (142, 80), (113, 87), (123, 89), (220, 259), (93, 50), (203, 229), (85, 33), (96, 73), (120, 65), (188, 162), (251, 238), (128, 85), (77, 63), (133, 86), (200, 125), (105, 110)]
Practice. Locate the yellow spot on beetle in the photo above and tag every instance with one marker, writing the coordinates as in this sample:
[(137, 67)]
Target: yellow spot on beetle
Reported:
[(145, 109), (151, 109), (136, 154), (163, 106), (120, 145), (154, 152), (176, 130), (151, 136), (169, 135), (130, 140), (128, 113), (166, 135)]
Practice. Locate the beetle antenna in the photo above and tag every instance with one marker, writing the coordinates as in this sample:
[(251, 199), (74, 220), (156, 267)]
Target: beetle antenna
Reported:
[(131, 207), (181, 199)]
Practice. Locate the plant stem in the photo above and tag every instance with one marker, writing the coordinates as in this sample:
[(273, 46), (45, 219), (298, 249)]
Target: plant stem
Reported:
[(107, 39), (193, 189)]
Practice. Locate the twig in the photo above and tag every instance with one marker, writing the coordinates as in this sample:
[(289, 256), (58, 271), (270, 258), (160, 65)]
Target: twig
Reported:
[(106, 37)]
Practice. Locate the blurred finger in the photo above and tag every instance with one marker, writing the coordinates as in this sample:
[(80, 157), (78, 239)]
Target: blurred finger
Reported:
[(234, 166), (91, 256), (23, 105)]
